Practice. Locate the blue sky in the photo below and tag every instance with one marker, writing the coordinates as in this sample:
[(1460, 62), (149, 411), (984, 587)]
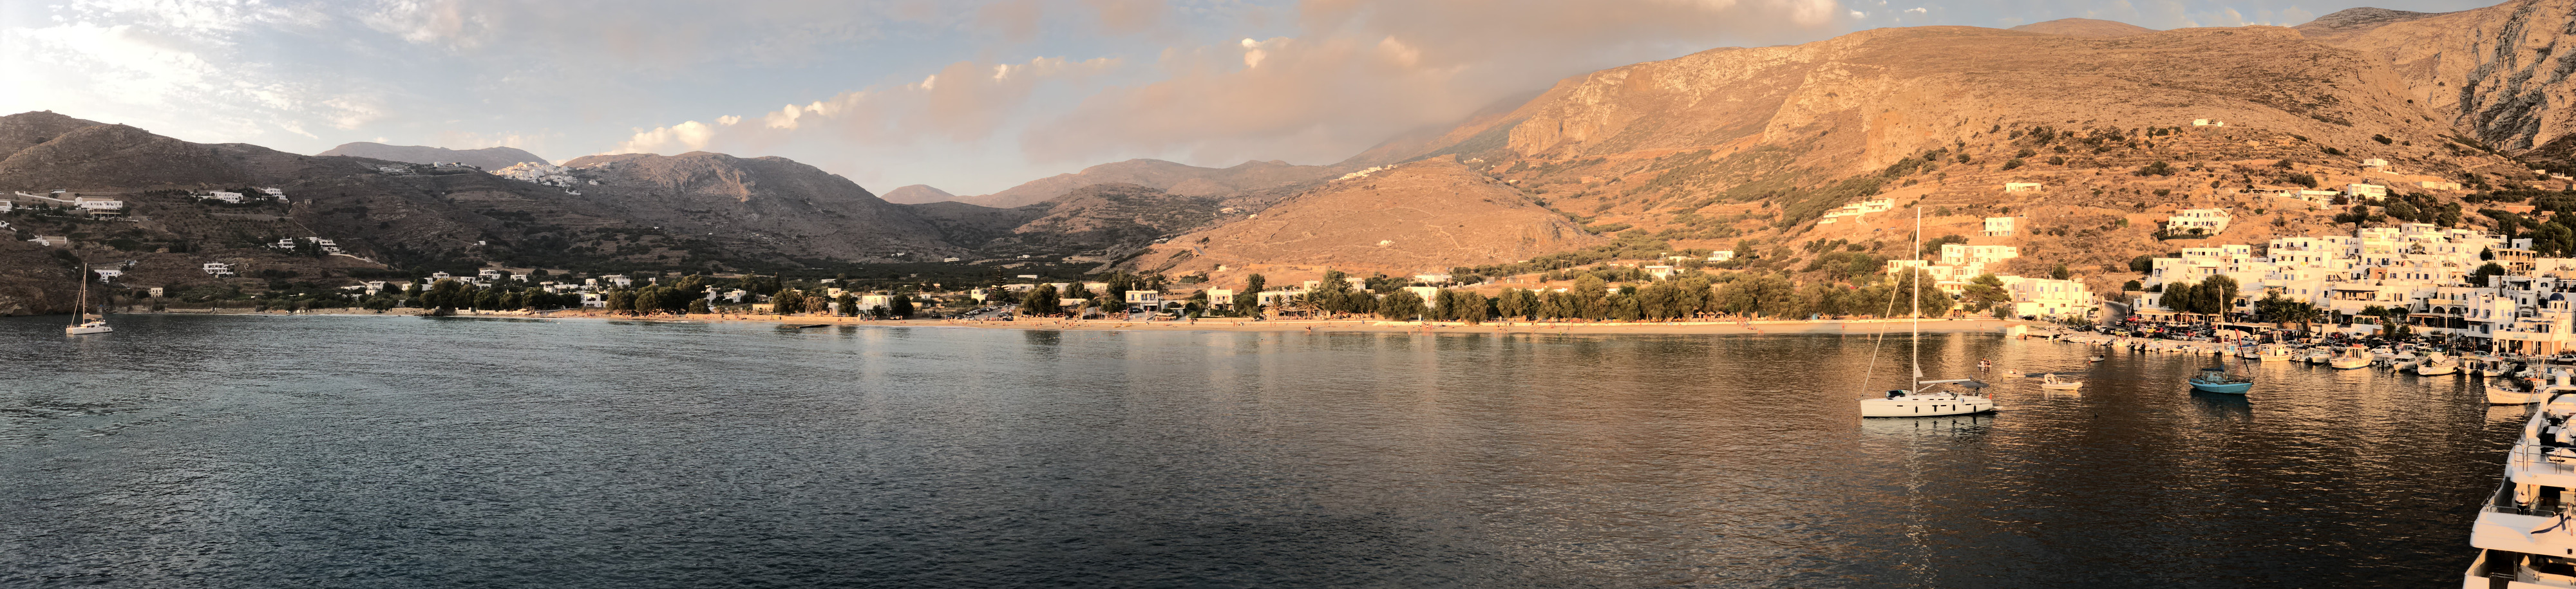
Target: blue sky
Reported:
[(969, 96)]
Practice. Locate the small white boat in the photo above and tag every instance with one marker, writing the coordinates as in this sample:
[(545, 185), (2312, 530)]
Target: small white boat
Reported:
[(2320, 356), (2438, 364), (2519, 395), (2274, 353), (2495, 368), (2404, 362), (2350, 359), (2059, 383), (2095, 359)]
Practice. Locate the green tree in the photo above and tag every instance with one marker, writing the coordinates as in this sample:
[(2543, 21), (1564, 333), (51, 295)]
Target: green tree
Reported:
[(1400, 305), (900, 306), (2142, 264), (1041, 301), (1984, 292), (2060, 272), (2485, 274), (849, 304), (1510, 305)]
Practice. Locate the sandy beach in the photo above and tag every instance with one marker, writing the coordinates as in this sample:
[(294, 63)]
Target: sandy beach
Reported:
[(1733, 327)]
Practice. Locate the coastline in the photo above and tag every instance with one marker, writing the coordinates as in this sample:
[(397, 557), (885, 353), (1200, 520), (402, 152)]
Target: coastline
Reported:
[(1737, 327)]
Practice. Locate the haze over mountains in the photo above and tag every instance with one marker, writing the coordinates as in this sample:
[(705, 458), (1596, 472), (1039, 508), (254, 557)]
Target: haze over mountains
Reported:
[(1731, 148)]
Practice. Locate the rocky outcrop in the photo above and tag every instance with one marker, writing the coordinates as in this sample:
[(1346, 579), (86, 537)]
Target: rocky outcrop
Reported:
[(2495, 74)]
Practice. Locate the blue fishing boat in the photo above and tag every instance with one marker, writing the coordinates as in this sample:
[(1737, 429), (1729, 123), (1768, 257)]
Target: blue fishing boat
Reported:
[(2217, 380)]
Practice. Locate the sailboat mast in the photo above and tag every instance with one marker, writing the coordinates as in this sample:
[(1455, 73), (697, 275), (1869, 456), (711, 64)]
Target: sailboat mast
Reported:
[(80, 306), (1918, 295)]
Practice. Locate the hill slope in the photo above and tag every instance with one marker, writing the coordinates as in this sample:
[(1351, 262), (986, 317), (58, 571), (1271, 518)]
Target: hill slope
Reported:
[(2490, 73), (489, 158), (917, 194), (1430, 215), (764, 200), (2084, 27), (1180, 179)]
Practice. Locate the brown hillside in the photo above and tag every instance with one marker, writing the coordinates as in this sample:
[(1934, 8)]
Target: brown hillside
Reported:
[(771, 200), (489, 158), (917, 194), (2084, 27), (2490, 73), (1427, 215), (1180, 179)]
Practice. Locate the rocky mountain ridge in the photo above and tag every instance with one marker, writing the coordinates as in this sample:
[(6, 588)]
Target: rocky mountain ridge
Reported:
[(489, 158)]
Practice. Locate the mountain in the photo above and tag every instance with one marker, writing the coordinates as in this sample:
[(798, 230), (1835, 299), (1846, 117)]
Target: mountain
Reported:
[(917, 194), (489, 158), (1180, 179), (2084, 27), (1737, 147), (2491, 74), (1429, 215), (799, 209)]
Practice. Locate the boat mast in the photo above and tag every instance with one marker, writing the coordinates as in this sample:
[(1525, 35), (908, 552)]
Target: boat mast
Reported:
[(80, 306), (1918, 296)]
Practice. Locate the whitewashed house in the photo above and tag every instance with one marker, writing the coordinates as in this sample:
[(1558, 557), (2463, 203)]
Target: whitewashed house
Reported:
[(51, 240), (1999, 226), (2369, 191), (2209, 221), (218, 269), (2010, 187)]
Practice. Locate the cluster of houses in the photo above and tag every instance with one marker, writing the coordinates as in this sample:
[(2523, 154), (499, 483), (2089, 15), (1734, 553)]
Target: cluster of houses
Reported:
[(230, 197), (293, 243), (2429, 273), (95, 207), (1960, 264), (547, 174)]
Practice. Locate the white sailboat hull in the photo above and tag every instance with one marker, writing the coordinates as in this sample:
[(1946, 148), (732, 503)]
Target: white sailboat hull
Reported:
[(2349, 363), (1907, 407), (2496, 396), (2437, 369), (87, 329)]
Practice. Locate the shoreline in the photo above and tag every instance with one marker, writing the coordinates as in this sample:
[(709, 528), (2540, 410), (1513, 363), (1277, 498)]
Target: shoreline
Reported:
[(1738, 327)]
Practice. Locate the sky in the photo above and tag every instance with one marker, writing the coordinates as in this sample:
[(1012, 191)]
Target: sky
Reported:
[(968, 96)]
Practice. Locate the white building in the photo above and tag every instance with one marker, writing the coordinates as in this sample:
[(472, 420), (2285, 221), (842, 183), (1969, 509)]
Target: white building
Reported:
[(2369, 191), (2043, 297), (218, 269), (1145, 298), (2431, 185), (2209, 221), (229, 197), (2010, 187), (51, 240), (1999, 226), (1722, 256)]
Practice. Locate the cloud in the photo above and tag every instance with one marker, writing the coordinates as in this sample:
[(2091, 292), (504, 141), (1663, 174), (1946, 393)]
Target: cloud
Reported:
[(964, 102)]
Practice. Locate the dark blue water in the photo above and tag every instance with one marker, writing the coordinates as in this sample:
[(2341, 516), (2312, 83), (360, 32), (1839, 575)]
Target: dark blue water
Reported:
[(406, 452)]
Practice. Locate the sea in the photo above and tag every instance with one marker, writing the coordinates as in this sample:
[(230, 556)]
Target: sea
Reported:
[(361, 451)]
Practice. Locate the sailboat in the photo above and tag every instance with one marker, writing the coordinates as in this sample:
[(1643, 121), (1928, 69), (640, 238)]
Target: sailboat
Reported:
[(82, 324), (1926, 399)]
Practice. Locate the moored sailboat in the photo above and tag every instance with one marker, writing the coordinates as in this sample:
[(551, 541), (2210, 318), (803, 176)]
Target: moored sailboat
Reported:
[(1926, 398), (82, 322)]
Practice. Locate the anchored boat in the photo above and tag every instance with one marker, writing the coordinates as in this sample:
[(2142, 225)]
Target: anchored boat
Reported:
[(2217, 380), (1927, 399)]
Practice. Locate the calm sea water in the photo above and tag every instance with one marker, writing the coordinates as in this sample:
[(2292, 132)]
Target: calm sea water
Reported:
[(407, 452)]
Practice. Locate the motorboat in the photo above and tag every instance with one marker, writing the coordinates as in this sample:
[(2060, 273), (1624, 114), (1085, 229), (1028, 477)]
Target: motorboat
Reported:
[(2274, 353), (2217, 380), (2438, 364), (1927, 398), (83, 323), (2057, 382), (2495, 367), (2522, 531), (2350, 359), (2504, 391), (2404, 362), (2320, 356)]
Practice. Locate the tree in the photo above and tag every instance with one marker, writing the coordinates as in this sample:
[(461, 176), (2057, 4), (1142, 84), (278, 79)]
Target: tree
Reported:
[(2060, 272), (2219, 293), (2142, 265), (849, 304), (1255, 282), (1248, 304), (2484, 274), (1332, 294), (1983, 292), (788, 302), (446, 295), (1400, 305), (1511, 305), (901, 307), (2131, 286), (1042, 301)]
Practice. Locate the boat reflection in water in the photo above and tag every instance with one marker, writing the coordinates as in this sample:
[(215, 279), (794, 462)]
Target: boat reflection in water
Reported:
[(1941, 426)]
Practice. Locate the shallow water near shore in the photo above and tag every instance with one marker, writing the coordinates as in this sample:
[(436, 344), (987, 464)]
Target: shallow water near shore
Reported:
[(230, 451)]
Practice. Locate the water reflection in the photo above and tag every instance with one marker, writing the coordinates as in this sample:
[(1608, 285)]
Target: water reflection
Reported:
[(193, 451)]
